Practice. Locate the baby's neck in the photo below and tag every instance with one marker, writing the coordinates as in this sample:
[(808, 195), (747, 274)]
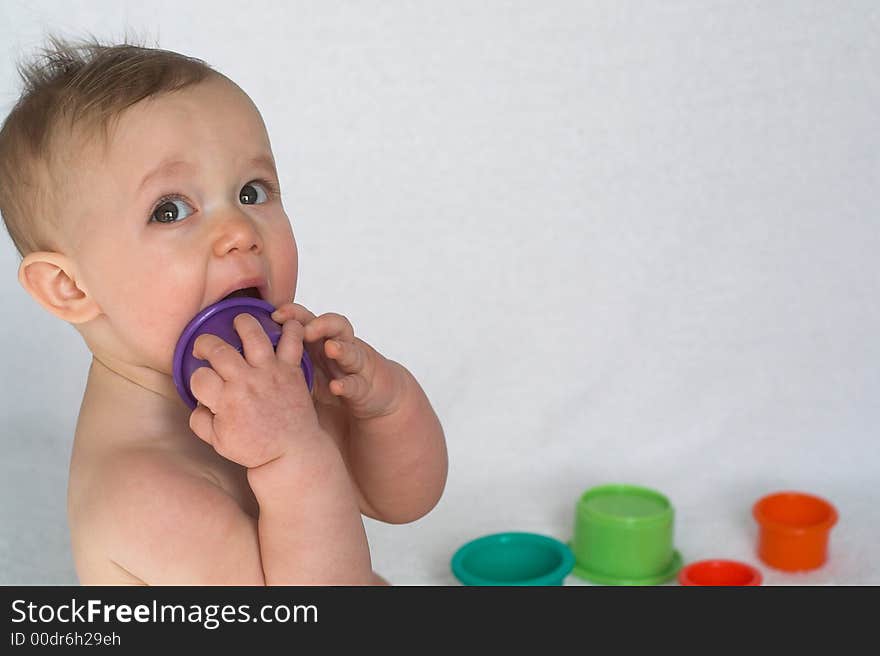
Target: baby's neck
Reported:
[(137, 402), (153, 384)]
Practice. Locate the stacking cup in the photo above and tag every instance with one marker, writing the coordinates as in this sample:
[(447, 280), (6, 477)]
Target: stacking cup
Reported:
[(217, 319), (525, 559), (623, 536), (719, 573), (794, 528)]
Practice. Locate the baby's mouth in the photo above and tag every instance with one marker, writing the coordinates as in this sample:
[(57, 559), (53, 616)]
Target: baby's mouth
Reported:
[(247, 292)]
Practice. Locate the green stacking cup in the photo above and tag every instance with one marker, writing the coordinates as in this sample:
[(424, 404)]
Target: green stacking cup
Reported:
[(623, 536)]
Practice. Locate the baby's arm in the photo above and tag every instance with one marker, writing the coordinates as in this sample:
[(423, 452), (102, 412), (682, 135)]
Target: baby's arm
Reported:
[(394, 444), (399, 459), (255, 409), (310, 527)]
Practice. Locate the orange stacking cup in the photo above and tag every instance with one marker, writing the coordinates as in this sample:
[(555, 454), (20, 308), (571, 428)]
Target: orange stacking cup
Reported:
[(794, 530)]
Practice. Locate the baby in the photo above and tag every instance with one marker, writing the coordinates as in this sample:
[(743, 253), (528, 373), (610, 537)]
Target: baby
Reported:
[(140, 187)]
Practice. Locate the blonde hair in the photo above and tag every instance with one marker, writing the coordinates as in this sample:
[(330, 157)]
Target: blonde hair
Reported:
[(76, 90)]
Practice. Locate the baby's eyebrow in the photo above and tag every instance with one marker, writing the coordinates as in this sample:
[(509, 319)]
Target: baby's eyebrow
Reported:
[(172, 164), (165, 167), (265, 161)]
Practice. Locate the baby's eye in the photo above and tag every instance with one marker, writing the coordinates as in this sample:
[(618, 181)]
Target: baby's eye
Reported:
[(166, 211), (249, 196)]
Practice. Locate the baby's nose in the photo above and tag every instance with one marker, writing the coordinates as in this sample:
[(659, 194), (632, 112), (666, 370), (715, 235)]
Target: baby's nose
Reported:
[(237, 231)]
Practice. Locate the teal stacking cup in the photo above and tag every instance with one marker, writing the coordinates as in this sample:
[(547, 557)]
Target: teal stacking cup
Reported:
[(513, 559), (623, 536)]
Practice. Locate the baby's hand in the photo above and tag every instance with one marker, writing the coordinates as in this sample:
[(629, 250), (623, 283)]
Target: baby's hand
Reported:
[(255, 407), (347, 367)]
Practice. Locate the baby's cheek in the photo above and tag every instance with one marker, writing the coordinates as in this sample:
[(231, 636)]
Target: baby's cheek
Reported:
[(159, 331), (284, 259), (284, 287)]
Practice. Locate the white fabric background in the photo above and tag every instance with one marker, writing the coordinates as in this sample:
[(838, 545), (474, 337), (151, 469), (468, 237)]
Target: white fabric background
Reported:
[(615, 241)]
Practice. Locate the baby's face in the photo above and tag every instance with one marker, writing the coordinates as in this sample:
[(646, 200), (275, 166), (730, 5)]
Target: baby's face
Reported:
[(180, 213)]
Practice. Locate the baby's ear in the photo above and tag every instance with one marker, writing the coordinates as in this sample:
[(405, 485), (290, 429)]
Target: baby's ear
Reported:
[(52, 281)]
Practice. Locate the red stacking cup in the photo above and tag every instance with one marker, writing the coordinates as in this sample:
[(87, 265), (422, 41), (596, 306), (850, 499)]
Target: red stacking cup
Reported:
[(719, 572)]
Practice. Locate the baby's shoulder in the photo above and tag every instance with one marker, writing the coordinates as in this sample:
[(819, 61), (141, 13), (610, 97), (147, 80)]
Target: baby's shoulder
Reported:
[(152, 517), (126, 483)]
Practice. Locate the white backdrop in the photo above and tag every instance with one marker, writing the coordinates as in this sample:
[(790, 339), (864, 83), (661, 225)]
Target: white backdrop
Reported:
[(615, 241)]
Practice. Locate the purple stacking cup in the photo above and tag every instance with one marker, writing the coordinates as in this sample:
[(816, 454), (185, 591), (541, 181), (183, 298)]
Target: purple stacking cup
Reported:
[(217, 320)]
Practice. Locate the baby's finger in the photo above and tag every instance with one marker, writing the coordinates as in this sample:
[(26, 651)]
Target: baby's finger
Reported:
[(290, 344), (207, 386), (348, 355), (201, 422), (352, 387), (331, 326), (221, 355), (254, 341), (292, 311)]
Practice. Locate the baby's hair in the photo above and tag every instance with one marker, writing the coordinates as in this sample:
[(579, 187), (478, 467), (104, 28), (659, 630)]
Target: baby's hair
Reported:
[(73, 94)]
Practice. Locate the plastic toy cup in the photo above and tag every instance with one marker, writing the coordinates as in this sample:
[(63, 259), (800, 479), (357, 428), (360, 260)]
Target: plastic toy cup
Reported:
[(794, 530), (623, 536), (719, 572), (217, 319), (512, 559)]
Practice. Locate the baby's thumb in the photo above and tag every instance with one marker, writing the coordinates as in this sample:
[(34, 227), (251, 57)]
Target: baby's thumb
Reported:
[(201, 421), (290, 345)]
